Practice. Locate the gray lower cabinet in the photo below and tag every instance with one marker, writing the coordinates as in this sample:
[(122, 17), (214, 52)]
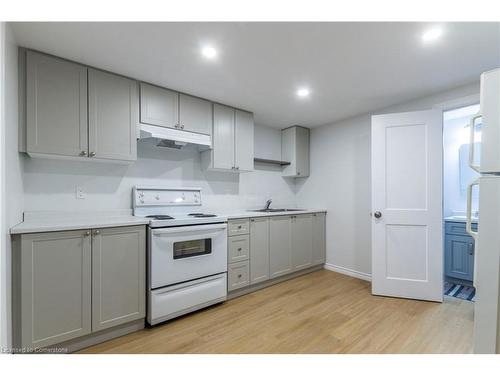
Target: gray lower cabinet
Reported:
[(318, 238), (302, 241), (459, 262), (118, 276), (259, 250), (459, 251), (72, 283), (238, 275), (113, 113), (56, 106), (280, 246), (55, 287)]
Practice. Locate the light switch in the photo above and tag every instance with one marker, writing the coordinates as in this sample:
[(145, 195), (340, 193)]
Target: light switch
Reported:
[(80, 194)]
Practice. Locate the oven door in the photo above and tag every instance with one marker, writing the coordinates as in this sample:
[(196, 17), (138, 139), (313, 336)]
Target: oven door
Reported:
[(185, 253)]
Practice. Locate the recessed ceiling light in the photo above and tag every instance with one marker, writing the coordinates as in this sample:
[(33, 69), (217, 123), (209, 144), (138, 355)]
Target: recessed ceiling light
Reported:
[(209, 52), (303, 92), (432, 34)]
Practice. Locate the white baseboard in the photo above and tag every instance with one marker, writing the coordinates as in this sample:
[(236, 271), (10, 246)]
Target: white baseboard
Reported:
[(348, 272)]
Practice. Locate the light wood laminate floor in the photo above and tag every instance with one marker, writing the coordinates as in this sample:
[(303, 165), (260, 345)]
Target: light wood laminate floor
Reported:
[(321, 312)]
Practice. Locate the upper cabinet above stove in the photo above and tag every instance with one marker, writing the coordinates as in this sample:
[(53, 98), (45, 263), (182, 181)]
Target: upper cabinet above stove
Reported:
[(76, 112), (170, 109)]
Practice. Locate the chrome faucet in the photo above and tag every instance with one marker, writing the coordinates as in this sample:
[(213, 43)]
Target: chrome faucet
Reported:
[(268, 203)]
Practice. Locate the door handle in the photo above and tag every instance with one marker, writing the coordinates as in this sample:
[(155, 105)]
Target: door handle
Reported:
[(471, 143), (468, 223), (377, 214), (471, 248)]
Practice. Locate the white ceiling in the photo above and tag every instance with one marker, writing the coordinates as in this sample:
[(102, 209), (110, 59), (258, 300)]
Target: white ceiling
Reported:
[(351, 68)]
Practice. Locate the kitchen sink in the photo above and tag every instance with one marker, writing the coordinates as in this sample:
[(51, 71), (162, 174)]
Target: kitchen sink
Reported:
[(278, 210)]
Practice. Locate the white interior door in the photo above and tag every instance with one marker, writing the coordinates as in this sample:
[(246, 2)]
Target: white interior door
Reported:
[(407, 243)]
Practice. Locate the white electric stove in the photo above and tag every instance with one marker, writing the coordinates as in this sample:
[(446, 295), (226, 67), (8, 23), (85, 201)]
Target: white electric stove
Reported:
[(187, 251)]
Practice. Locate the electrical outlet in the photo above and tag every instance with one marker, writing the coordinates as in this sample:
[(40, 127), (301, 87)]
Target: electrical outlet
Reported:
[(80, 194)]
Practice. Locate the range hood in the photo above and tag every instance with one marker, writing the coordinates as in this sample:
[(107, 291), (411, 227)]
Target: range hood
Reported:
[(173, 138)]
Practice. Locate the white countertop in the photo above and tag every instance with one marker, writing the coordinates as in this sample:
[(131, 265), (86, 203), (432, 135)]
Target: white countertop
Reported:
[(248, 213), (52, 221), (35, 222)]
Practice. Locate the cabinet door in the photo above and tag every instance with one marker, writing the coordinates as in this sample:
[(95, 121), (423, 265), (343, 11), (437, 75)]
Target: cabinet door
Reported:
[(301, 241), (319, 238), (302, 151), (223, 138), (118, 276), (457, 258), (280, 246), (259, 249), (195, 114), (112, 116), (56, 106), (55, 287), (159, 106), (244, 141)]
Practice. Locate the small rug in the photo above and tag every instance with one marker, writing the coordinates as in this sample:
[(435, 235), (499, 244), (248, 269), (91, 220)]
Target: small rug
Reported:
[(460, 291)]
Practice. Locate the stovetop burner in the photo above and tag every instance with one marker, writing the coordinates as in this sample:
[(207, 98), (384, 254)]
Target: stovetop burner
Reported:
[(200, 214), (160, 217)]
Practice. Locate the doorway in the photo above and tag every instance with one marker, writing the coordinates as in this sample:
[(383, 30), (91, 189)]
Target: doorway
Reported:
[(459, 246)]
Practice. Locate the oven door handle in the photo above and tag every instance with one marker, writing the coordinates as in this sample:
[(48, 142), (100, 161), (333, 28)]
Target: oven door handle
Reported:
[(193, 228)]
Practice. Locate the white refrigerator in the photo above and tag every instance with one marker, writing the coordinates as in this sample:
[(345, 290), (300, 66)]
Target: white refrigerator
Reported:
[(487, 237)]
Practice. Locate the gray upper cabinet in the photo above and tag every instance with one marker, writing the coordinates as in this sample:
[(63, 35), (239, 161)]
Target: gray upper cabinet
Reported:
[(159, 106), (118, 273), (302, 241), (259, 249), (243, 141), (280, 246), (232, 142), (56, 106), (54, 288), (113, 113), (195, 114), (221, 156), (295, 149), (319, 238)]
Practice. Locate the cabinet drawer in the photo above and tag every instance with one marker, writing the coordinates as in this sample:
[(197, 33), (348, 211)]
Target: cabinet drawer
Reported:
[(238, 247), (452, 227), (238, 275), (237, 227)]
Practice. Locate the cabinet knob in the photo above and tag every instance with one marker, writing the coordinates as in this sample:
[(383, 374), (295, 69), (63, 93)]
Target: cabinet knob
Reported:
[(239, 226), (182, 126), (239, 275), (87, 233), (92, 154), (237, 168), (239, 248), (97, 232), (83, 153), (298, 173), (377, 214), (252, 220)]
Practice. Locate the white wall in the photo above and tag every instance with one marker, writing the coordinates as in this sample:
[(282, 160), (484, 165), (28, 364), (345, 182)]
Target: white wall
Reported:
[(50, 184), (340, 180), (12, 192)]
